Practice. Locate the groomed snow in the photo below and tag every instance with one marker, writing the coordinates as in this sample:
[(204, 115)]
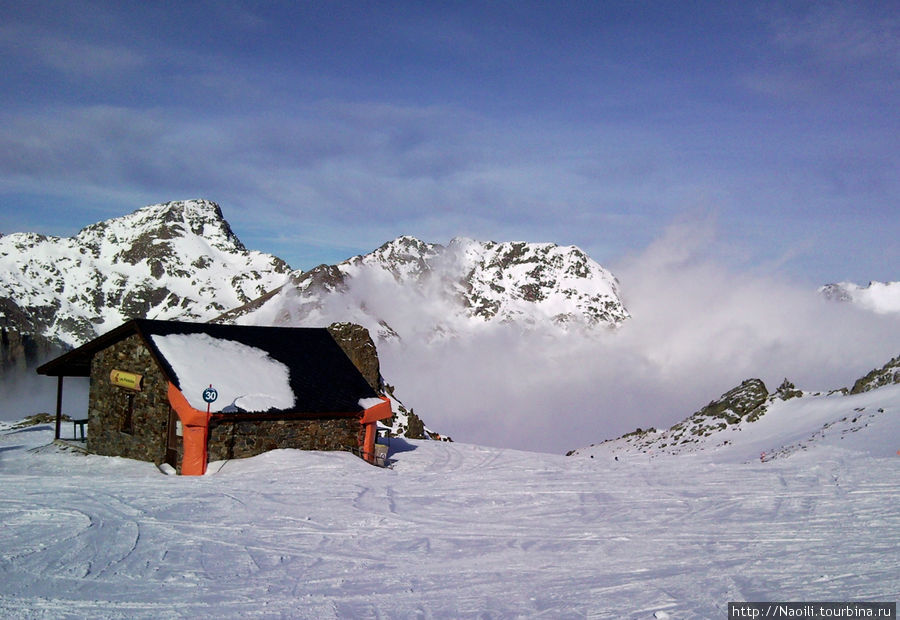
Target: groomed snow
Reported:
[(245, 377), (452, 531)]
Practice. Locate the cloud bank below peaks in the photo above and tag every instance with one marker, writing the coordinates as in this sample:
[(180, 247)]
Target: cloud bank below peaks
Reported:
[(697, 329)]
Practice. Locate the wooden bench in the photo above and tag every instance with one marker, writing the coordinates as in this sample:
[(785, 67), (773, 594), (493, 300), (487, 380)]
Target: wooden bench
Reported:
[(79, 424)]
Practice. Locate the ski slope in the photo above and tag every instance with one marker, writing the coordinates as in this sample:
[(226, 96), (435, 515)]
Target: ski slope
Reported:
[(451, 531)]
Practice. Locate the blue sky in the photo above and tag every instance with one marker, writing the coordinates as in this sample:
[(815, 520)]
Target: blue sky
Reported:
[(324, 129)]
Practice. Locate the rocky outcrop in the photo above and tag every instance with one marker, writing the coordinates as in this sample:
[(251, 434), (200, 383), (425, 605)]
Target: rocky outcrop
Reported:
[(738, 407), (744, 402), (787, 391), (415, 428), (356, 342), (886, 375)]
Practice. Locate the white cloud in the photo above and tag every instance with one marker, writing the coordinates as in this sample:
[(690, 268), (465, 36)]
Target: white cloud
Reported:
[(697, 329)]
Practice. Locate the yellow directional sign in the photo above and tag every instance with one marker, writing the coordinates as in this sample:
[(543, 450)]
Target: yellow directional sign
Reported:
[(127, 380)]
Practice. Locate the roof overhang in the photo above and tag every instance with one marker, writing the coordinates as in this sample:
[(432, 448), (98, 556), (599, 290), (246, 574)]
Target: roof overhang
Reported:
[(77, 362), (324, 378)]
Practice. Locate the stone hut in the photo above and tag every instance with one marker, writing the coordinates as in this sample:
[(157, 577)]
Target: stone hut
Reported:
[(187, 393)]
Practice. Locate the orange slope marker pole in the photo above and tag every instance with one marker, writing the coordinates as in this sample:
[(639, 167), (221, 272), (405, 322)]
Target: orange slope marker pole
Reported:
[(195, 427), (369, 420)]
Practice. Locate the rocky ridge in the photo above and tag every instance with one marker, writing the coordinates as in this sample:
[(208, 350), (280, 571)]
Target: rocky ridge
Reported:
[(356, 342), (408, 288), (173, 260), (888, 374), (738, 409)]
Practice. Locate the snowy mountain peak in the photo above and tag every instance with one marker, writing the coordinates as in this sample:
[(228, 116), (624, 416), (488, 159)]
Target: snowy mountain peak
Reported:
[(878, 297), (149, 231), (173, 260), (410, 287), (405, 257), (509, 280)]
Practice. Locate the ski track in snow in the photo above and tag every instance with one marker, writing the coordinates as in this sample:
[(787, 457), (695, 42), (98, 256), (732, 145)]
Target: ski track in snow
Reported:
[(452, 531)]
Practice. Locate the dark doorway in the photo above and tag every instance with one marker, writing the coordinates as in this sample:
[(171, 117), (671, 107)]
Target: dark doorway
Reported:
[(172, 439)]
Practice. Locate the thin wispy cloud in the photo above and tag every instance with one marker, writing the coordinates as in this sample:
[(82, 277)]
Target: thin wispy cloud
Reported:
[(842, 34), (71, 56), (830, 51), (590, 124)]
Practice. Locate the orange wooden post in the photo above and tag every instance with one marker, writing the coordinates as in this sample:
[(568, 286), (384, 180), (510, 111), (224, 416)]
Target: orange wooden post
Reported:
[(369, 420), (195, 430), (369, 442)]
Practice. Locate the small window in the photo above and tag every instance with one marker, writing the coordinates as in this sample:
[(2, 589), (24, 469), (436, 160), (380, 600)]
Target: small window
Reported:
[(127, 421)]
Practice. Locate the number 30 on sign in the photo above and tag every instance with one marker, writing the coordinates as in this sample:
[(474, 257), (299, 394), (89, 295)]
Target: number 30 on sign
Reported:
[(210, 394)]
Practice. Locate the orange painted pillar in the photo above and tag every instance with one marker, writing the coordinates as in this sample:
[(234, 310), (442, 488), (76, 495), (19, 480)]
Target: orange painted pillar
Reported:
[(369, 442), (369, 420), (195, 431)]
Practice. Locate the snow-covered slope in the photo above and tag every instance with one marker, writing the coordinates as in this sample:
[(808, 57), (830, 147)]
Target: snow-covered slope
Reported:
[(748, 422), (173, 260), (410, 288), (880, 297), (452, 531)]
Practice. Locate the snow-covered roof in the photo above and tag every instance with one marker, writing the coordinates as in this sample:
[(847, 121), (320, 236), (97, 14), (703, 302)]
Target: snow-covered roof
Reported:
[(245, 378), (253, 369)]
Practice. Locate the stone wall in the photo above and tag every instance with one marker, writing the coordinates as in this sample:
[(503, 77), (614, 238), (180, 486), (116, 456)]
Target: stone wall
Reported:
[(108, 405), (241, 439)]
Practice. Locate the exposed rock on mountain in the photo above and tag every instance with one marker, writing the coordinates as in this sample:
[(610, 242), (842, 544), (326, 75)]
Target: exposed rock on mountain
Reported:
[(356, 342), (174, 260), (742, 410), (746, 402), (181, 260), (20, 351), (886, 375), (408, 287), (406, 423)]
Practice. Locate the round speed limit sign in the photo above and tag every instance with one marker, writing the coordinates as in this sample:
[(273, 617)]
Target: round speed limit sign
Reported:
[(210, 395)]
